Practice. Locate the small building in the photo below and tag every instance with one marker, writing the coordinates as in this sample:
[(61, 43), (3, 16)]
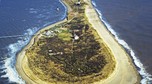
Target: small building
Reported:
[(76, 37), (50, 50), (78, 3), (49, 33)]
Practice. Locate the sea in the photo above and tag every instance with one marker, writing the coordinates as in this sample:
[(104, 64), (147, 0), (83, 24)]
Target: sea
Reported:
[(130, 22)]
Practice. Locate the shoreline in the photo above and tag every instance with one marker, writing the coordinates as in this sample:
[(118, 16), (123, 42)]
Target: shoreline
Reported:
[(144, 76), (114, 76), (21, 55), (102, 30)]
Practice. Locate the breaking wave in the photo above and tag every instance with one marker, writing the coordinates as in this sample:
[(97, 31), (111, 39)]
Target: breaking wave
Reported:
[(146, 77), (9, 62), (8, 69)]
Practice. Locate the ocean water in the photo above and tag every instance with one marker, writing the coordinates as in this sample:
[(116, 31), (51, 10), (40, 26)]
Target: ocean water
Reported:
[(19, 20), (130, 21)]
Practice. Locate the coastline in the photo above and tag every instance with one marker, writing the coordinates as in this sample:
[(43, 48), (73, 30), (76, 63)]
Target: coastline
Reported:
[(21, 55), (120, 54), (114, 78)]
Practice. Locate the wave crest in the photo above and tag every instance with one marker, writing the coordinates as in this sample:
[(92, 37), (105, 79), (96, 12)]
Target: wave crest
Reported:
[(9, 62), (146, 77)]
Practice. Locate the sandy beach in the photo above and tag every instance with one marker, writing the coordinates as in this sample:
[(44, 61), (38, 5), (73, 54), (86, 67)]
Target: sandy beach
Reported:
[(124, 73), (22, 62)]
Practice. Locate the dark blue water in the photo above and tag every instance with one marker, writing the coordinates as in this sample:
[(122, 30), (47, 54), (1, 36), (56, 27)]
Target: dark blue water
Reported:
[(131, 23), (129, 20), (22, 17)]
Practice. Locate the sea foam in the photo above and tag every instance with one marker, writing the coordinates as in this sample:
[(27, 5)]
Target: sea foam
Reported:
[(8, 66), (146, 77), (9, 62)]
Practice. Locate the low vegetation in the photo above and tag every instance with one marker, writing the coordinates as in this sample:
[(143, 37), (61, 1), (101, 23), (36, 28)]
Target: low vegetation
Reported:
[(76, 54)]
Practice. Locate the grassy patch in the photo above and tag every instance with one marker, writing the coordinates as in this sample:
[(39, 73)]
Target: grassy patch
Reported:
[(65, 35), (62, 59)]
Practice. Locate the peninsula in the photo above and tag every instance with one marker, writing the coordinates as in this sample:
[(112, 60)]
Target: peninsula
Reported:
[(76, 50)]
